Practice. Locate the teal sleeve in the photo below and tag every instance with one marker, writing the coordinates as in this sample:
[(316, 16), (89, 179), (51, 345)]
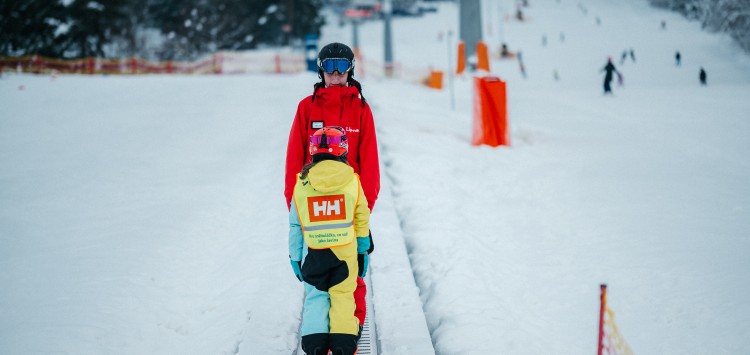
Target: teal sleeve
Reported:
[(296, 241), (363, 243)]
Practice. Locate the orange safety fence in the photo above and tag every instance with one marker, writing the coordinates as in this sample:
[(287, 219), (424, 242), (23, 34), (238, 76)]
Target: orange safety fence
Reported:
[(218, 63)]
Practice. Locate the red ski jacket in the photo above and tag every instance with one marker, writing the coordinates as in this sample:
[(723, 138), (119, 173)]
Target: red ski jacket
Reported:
[(335, 106)]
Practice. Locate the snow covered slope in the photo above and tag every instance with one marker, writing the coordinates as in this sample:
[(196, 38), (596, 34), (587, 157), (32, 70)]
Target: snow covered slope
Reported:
[(144, 215)]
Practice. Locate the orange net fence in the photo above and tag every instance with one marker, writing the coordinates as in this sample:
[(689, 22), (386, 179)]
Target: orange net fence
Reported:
[(219, 63), (614, 343), (611, 342)]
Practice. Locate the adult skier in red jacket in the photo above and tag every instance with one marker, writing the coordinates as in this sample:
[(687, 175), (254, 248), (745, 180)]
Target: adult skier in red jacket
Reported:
[(337, 100)]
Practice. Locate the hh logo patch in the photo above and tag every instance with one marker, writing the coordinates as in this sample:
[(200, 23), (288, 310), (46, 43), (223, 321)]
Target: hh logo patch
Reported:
[(317, 124), (326, 208)]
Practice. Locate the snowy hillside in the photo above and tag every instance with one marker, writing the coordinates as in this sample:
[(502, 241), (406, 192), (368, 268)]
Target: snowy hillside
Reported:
[(145, 215)]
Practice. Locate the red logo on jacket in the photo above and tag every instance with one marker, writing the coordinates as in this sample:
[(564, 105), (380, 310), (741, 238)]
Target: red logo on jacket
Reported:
[(326, 208)]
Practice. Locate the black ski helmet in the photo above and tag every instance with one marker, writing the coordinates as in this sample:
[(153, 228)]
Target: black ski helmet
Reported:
[(335, 50)]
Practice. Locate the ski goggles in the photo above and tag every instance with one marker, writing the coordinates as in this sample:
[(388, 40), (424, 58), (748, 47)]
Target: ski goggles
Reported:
[(315, 140), (341, 65)]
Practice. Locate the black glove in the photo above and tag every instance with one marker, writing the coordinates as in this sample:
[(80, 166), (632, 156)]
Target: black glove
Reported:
[(372, 244), (362, 261)]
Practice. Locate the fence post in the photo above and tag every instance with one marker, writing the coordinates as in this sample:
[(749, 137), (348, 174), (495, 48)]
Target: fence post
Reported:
[(133, 65), (277, 60), (358, 58), (218, 63), (37, 64), (91, 65), (602, 309)]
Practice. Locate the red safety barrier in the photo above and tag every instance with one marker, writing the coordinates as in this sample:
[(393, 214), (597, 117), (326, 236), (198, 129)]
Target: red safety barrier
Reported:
[(490, 112)]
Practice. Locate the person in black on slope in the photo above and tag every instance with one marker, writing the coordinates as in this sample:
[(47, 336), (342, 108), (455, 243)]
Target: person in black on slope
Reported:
[(609, 69), (702, 76)]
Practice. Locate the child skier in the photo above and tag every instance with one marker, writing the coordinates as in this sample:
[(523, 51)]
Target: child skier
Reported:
[(328, 214)]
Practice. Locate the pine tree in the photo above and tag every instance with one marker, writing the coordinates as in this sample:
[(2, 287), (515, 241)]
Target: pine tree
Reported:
[(92, 26), (29, 27), (187, 29)]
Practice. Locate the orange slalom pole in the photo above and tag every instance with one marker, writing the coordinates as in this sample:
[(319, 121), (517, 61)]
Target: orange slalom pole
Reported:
[(483, 57), (602, 309), (461, 66)]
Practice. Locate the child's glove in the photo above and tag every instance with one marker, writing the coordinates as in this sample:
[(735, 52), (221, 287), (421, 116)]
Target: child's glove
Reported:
[(364, 248), (362, 261), (372, 244), (296, 268)]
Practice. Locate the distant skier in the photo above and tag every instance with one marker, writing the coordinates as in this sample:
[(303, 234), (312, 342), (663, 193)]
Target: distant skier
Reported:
[(702, 76), (623, 57), (609, 69), (521, 66), (632, 55), (505, 53), (677, 58)]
